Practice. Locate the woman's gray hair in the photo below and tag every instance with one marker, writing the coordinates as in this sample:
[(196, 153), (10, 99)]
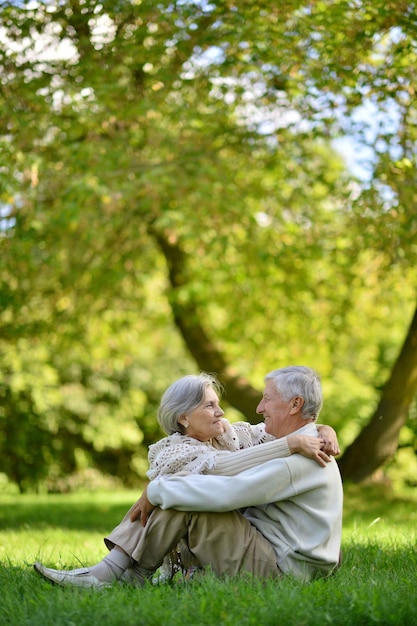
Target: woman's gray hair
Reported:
[(182, 397), (297, 380)]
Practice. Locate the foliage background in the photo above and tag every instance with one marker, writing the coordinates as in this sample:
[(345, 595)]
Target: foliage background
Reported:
[(138, 138)]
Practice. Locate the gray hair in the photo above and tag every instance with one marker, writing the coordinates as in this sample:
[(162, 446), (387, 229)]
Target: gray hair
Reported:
[(182, 397), (297, 380)]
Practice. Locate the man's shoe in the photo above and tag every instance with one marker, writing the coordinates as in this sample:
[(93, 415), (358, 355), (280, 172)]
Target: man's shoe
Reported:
[(71, 578)]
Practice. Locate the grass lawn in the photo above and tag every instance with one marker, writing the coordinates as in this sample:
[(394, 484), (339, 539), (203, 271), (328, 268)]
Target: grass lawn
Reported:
[(376, 584)]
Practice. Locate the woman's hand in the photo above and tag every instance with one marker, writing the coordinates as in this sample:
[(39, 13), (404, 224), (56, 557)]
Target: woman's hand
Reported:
[(329, 438), (142, 509), (310, 447)]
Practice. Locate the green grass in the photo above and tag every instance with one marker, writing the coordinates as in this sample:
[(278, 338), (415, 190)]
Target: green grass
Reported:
[(376, 584)]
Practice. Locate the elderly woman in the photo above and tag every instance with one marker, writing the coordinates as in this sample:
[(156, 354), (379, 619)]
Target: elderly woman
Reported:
[(200, 440)]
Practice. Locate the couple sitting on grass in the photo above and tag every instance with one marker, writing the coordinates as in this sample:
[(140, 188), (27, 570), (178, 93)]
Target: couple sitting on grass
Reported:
[(264, 499)]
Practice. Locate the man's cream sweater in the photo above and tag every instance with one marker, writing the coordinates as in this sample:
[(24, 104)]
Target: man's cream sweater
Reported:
[(294, 503)]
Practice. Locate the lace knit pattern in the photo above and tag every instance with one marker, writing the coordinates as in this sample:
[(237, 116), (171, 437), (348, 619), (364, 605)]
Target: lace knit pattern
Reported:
[(179, 453)]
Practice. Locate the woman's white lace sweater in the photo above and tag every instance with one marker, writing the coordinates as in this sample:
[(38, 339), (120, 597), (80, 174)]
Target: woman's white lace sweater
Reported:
[(179, 453)]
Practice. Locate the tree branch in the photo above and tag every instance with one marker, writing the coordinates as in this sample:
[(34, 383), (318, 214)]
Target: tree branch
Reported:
[(239, 393)]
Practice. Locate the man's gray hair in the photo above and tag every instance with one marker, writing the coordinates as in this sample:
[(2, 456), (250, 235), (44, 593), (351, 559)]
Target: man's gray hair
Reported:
[(298, 380), (182, 397)]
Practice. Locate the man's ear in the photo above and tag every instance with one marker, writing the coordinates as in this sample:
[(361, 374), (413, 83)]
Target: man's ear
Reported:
[(296, 404)]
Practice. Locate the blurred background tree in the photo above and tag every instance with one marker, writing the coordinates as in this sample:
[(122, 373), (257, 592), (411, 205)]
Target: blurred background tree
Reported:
[(172, 199)]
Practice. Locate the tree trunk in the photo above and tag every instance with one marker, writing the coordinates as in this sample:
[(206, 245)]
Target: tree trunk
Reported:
[(378, 440), (238, 391)]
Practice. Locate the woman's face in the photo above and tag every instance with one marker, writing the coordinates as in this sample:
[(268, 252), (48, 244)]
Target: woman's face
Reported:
[(204, 422)]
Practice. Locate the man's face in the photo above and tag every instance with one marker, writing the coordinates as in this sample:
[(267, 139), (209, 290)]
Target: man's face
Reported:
[(281, 418)]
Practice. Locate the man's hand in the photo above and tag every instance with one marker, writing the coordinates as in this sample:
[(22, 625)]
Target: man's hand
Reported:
[(142, 509), (310, 447), (329, 438)]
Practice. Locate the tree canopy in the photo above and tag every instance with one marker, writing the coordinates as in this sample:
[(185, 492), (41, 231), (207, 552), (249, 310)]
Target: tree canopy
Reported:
[(173, 199)]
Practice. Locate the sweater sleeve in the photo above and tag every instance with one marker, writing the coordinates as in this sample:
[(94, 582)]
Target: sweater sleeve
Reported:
[(230, 464), (273, 481), (199, 492)]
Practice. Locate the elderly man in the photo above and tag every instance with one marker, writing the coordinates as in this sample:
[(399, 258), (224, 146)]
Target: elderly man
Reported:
[(281, 517)]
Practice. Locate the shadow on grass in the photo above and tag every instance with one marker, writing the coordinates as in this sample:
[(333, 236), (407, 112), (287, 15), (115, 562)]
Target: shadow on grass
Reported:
[(99, 512), (366, 503), (93, 515)]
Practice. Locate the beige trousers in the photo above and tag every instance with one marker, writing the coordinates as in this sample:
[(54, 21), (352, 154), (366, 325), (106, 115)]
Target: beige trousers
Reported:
[(226, 542)]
